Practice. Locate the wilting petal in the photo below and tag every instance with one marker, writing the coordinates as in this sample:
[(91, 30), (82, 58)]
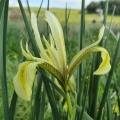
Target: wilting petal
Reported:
[(37, 35), (57, 33), (24, 79), (105, 65)]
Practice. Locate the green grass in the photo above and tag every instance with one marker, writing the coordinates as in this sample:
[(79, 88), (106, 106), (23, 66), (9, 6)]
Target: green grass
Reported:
[(74, 16)]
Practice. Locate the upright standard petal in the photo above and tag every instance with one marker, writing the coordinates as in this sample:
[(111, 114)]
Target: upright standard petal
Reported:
[(37, 35), (57, 33), (24, 79)]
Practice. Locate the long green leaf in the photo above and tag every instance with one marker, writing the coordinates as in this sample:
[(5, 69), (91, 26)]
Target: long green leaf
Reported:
[(13, 106), (39, 9), (3, 30), (42, 106), (28, 7), (80, 82), (2, 3), (109, 109), (51, 98)]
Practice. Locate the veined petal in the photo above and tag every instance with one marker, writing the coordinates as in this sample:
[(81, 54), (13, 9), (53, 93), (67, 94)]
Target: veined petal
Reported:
[(51, 69), (24, 79), (81, 55), (105, 65), (103, 68), (37, 35), (57, 33)]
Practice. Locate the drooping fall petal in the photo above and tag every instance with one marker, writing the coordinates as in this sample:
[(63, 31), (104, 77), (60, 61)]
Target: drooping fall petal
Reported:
[(105, 65), (24, 79)]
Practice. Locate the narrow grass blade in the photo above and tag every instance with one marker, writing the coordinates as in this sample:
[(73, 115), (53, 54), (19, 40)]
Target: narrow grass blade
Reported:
[(51, 99), (108, 32), (109, 109), (39, 9), (107, 86), (28, 7), (3, 31), (91, 85), (42, 106), (82, 36), (84, 103), (28, 29), (35, 107), (95, 91), (37, 103), (106, 12), (2, 3), (13, 106)]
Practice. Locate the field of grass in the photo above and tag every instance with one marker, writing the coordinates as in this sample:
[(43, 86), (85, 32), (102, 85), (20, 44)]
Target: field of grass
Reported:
[(17, 31)]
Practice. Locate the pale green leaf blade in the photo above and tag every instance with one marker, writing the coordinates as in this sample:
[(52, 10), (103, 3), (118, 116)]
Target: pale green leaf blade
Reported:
[(2, 3)]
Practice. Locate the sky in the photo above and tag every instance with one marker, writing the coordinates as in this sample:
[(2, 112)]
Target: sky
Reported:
[(53, 3)]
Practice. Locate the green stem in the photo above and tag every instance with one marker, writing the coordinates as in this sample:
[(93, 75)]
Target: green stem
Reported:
[(69, 104)]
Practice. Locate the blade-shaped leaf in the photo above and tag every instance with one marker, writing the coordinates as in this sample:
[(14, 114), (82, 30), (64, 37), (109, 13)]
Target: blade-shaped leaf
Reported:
[(2, 3)]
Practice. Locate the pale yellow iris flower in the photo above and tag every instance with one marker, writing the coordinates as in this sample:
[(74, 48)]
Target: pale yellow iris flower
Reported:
[(53, 58)]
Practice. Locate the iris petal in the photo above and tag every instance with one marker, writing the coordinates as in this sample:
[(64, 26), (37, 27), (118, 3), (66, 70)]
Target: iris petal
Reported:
[(24, 79), (57, 33), (105, 65)]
